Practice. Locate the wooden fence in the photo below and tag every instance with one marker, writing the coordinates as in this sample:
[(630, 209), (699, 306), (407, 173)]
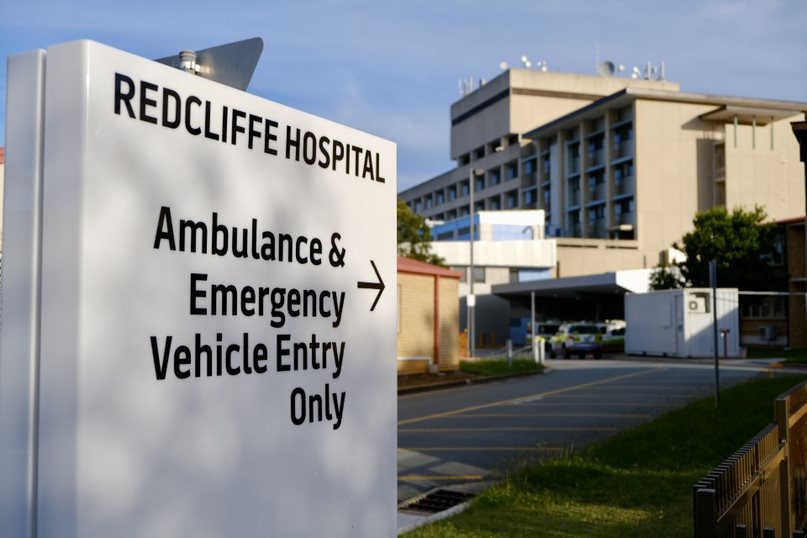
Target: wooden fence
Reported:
[(761, 490)]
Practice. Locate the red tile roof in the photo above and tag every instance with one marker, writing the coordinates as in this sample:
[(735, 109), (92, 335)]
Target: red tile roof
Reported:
[(407, 265)]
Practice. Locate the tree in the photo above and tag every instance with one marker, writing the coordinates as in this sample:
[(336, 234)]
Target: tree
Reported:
[(414, 236), (666, 277), (741, 242)]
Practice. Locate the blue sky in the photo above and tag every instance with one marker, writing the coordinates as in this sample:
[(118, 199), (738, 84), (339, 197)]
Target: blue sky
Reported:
[(392, 67)]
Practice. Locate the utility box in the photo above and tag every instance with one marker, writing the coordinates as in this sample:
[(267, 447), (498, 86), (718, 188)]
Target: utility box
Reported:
[(680, 323)]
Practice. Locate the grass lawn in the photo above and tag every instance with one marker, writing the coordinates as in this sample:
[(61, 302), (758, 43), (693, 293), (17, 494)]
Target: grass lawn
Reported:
[(635, 484), (791, 356)]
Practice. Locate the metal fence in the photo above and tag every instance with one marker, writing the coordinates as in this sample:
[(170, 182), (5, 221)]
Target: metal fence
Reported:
[(761, 490)]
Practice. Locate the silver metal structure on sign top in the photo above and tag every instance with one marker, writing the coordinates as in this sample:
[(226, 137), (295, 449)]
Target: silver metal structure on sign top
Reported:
[(232, 64)]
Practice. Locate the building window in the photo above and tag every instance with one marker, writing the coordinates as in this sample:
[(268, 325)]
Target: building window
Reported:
[(763, 306), (495, 177), (574, 191), (479, 152), (595, 150), (479, 274), (511, 199), (623, 141), (512, 170), (573, 155), (574, 223), (494, 203), (530, 169), (479, 183), (440, 198), (452, 192), (596, 185)]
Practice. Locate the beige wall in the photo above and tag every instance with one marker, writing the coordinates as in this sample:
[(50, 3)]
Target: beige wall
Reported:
[(578, 257), (535, 98), (757, 174), (416, 331)]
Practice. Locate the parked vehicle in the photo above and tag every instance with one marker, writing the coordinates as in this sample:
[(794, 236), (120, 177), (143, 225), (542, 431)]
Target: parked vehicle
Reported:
[(577, 339), (546, 330), (613, 335)]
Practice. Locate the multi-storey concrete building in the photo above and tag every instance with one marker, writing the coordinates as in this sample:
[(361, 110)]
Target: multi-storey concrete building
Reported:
[(620, 166)]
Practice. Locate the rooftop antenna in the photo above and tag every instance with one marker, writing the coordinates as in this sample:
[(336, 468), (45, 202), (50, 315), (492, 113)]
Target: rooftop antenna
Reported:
[(526, 62), (504, 66), (542, 65), (232, 64)]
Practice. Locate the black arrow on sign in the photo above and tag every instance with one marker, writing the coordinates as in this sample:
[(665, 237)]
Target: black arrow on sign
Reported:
[(374, 285)]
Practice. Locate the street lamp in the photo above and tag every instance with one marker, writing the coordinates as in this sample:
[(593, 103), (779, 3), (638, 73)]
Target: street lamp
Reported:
[(471, 300)]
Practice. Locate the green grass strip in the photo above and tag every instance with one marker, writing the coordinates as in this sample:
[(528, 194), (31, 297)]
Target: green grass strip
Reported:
[(635, 484)]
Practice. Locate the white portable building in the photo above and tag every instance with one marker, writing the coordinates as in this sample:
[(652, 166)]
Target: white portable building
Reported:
[(680, 323)]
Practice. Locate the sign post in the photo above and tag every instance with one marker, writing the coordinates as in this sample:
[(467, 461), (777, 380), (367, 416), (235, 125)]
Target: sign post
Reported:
[(214, 345)]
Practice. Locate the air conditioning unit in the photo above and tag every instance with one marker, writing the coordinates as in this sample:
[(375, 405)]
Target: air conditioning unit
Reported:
[(767, 333), (696, 304)]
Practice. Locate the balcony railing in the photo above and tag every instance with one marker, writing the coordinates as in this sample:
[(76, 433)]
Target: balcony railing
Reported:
[(625, 185), (597, 193), (598, 229), (596, 158), (623, 149), (626, 218)]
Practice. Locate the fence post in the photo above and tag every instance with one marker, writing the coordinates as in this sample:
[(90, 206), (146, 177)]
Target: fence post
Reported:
[(704, 512), (782, 410)]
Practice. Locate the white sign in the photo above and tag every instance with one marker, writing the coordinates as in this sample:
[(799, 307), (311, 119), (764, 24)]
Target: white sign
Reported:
[(217, 346)]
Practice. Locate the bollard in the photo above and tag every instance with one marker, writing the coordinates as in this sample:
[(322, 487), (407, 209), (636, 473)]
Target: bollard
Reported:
[(541, 350), (509, 353), (538, 349), (535, 355)]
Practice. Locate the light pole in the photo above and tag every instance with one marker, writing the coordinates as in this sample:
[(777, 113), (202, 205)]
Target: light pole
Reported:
[(471, 300)]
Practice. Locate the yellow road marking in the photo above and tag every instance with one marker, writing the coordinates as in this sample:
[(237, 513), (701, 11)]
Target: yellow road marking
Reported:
[(487, 449), (575, 415), (525, 398), (435, 478), (599, 404), (504, 429)]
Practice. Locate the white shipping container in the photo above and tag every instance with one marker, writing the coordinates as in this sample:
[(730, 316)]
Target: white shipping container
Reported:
[(680, 323)]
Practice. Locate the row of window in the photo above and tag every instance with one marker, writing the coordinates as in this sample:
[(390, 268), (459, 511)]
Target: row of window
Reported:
[(490, 148), (491, 178), (508, 200)]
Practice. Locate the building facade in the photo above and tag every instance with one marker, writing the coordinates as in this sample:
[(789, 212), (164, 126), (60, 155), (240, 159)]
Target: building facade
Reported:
[(619, 166), (428, 318)]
